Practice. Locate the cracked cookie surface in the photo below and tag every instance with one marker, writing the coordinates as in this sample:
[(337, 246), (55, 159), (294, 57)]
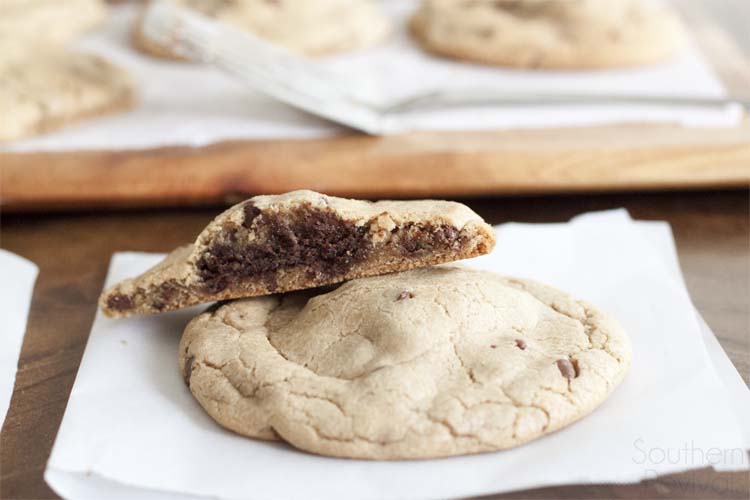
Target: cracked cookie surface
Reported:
[(299, 240), (565, 34), (427, 363)]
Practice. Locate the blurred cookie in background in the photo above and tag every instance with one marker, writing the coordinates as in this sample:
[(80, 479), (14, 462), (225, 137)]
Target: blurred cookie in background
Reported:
[(26, 24), (312, 27), (555, 34), (50, 88), (43, 86)]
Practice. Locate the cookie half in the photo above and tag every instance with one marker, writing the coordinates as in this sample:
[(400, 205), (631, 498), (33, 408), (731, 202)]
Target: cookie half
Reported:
[(557, 34), (53, 88), (428, 363), (311, 27), (302, 239)]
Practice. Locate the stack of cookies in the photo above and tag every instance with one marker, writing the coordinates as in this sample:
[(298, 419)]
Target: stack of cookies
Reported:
[(339, 328)]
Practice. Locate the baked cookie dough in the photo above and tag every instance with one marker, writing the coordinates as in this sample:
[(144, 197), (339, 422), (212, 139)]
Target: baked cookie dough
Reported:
[(311, 27), (297, 240), (561, 34), (53, 88), (28, 24), (428, 363)]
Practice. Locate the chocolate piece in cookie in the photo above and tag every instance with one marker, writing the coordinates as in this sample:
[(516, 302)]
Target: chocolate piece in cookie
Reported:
[(298, 240)]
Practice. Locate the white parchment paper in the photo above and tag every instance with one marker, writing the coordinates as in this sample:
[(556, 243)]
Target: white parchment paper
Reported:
[(17, 278), (194, 105), (132, 429)]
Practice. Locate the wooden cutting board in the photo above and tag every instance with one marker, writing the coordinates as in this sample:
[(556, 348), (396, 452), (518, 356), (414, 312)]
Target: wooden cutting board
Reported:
[(446, 164)]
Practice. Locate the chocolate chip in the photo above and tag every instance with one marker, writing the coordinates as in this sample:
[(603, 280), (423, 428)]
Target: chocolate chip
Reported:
[(189, 369), (251, 212), (521, 344), (567, 369), (417, 237), (168, 293), (445, 234), (405, 295), (120, 302)]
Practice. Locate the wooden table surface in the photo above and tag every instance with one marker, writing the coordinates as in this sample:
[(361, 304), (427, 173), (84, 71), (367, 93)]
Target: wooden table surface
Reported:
[(73, 251)]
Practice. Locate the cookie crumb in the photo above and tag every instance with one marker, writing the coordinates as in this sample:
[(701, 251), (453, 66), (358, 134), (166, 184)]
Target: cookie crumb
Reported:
[(405, 295), (521, 344), (493, 346)]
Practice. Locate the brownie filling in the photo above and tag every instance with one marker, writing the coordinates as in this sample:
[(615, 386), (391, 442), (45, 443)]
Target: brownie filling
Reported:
[(416, 238), (168, 293), (120, 302), (251, 212), (316, 239)]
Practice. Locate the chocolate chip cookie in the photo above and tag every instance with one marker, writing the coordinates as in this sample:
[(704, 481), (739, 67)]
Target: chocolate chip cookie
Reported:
[(302, 239), (427, 363), (52, 88), (565, 34), (26, 25), (310, 27)]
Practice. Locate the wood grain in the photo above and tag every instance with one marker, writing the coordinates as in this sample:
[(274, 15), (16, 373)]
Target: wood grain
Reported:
[(712, 231)]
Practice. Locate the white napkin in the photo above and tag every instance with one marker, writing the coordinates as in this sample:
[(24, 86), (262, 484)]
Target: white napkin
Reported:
[(132, 429), (16, 286), (188, 104)]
